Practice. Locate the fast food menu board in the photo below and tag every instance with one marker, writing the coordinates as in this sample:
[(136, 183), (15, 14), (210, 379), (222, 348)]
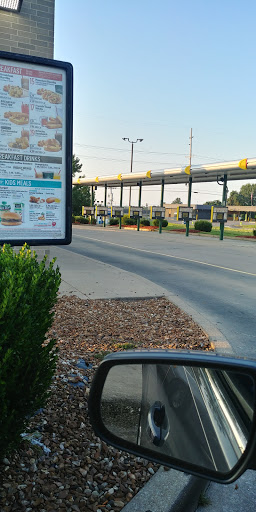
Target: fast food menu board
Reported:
[(34, 150)]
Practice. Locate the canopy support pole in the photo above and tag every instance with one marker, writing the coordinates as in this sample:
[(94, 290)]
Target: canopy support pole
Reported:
[(105, 203), (224, 203), (121, 203), (139, 204), (189, 202)]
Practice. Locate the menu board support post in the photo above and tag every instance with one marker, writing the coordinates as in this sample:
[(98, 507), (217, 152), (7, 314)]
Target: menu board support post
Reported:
[(224, 201), (189, 203), (105, 203), (139, 204), (121, 203), (161, 204)]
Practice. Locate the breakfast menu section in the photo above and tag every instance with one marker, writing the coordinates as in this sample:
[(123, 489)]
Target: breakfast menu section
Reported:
[(32, 151)]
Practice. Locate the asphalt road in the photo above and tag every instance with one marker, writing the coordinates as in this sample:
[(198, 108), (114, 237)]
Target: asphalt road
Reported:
[(218, 279)]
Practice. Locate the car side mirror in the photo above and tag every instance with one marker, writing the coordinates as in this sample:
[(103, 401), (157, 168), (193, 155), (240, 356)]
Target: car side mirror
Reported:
[(190, 411)]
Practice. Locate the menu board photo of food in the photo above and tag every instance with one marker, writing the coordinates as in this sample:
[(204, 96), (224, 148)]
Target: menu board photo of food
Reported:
[(33, 148)]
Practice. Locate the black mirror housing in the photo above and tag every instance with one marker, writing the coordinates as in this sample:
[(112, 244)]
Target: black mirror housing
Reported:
[(194, 412)]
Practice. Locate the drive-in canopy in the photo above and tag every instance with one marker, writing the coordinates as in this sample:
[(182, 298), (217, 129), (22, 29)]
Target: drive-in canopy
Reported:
[(235, 170)]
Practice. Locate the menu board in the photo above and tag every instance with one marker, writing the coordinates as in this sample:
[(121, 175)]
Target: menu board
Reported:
[(33, 152)]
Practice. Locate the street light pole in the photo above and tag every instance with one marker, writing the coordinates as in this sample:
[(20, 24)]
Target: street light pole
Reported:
[(132, 142)]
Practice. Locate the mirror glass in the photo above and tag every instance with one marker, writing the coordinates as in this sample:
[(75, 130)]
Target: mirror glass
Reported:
[(198, 415)]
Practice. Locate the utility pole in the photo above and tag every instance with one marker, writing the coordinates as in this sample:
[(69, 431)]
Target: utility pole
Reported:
[(190, 151), (132, 142), (190, 180)]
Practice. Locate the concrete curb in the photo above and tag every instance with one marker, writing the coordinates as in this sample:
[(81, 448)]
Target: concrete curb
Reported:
[(218, 341), (168, 491)]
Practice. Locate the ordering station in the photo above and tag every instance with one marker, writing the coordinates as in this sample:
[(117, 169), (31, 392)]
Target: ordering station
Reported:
[(221, 173)]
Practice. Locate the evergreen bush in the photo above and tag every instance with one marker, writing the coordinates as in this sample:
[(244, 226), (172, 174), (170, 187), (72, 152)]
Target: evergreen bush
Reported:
[(28, 292), (127, 221), (203, 225), (164, 223), (81, 219), (145, 222), (84, 220), (113, 221)]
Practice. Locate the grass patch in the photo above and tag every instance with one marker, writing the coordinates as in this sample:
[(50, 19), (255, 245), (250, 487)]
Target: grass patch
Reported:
[(203, 500), (233, 232), (100, 355), (228, 232), (172, 227), (125, 346)]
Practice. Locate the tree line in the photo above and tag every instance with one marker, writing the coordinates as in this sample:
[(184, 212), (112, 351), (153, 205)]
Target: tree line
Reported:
[(245, 197)]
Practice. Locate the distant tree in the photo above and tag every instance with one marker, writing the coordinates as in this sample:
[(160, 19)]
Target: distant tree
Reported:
[(245, 197), (248, 194), (76, 165), (177, 201), (216, 202), (81, 195), (234, 199)]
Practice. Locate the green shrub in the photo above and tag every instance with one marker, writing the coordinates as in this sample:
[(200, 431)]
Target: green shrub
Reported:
[(164, 223), (254, 232), (73, 218), (127, 221), (113, 221), (81, 219), (28, 292), (93, 220), (84, 220), (145, 222), (203, 225)]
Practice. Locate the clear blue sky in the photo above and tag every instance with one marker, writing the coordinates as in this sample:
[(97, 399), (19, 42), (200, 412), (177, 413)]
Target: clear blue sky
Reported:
[(153, 69)]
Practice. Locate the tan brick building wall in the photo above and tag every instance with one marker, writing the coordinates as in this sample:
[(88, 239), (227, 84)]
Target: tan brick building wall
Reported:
[(31, 31)]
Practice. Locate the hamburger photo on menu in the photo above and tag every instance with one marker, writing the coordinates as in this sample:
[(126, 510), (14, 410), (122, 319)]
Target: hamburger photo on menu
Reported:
[(10, 219)]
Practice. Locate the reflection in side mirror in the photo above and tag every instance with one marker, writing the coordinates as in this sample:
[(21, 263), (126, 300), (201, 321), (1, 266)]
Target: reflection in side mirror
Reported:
[(188, 416)]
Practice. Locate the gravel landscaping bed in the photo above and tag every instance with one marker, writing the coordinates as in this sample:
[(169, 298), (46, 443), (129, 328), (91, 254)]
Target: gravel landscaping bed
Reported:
[(61, 464)]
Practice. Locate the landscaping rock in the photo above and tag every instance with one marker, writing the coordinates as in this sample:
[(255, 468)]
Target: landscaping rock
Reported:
[(68, 468)]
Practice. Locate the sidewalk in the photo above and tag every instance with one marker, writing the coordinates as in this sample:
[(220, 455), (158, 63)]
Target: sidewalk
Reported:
[(90, 279)]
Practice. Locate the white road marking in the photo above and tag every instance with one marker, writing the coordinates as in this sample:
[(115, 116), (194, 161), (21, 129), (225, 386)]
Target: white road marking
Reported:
[(167, 255)]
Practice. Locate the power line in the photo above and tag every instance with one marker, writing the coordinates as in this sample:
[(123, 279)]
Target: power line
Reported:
[(122, 160), (149, 152), (125, 150)]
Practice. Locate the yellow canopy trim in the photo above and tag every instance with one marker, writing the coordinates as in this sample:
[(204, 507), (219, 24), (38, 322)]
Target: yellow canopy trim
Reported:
[(243, 164)]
